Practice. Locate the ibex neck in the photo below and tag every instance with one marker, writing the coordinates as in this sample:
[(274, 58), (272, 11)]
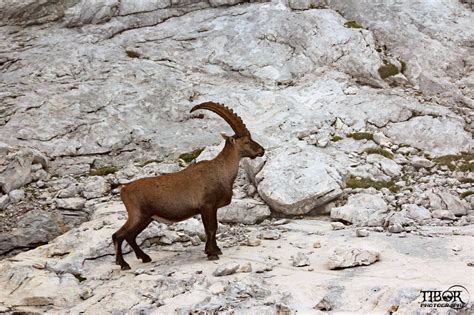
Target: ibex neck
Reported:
[(229, 159)]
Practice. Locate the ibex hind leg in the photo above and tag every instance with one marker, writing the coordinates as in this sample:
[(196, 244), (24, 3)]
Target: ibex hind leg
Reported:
[(117, 239), (131, 239)]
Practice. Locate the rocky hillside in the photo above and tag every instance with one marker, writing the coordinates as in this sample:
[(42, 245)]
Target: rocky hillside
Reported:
[(365, 111)]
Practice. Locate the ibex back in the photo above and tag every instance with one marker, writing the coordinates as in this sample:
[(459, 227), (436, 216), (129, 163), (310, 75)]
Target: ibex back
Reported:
[(201, 188)]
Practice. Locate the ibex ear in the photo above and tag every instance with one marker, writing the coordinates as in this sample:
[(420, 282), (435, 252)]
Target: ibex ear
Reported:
[(228, 138)]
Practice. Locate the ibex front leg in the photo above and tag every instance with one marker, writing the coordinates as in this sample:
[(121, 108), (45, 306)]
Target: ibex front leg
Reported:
[(209, 219)]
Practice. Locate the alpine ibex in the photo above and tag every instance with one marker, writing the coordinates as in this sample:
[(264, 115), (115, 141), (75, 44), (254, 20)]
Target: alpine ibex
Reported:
[(201, 188)]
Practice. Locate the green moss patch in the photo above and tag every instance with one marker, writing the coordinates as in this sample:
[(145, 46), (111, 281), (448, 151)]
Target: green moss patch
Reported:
[(336, 138), (103, 171), (465, 161), (190, 156), (361, 135), (356, 182), (132, 53), (380, 151), (352, 24), (388, 70), (466, 193), (149, 162), (467, 180)]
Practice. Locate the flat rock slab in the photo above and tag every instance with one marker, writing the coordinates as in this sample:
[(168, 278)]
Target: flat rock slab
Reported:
[(345, 257), (77, 272)]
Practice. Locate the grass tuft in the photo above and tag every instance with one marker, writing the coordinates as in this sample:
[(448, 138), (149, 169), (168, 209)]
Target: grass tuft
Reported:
[(361, 135), (103, 171), (149, 162), (190, 156), (467, 180), (352, 24), (466, 159), (466, 193), (355, 182), (132, 53), (380, 151), (388, 70), (336, 138)]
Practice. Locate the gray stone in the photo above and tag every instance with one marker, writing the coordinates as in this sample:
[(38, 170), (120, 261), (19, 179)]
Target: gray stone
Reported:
[(225, 270), (300, 260), (247, 211), (443, 214), (245, 268), (75, 203), (337, 226), (362, 210), (324, 305), (271, 235), (416, 213), (362, 233), (420, 162), (34, 228), (4, 201), (346, 256), (396, 228), (95, 187), (16, 166), (16, 195), (308, 183)]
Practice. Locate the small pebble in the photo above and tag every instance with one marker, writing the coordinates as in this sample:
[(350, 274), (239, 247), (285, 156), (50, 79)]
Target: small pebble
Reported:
[(337, 226), (362, 233), (317, 244)]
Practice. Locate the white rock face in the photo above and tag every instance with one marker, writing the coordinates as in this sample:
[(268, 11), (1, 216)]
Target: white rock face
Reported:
[(344, 257), (438, 136), (307, 183), (362, 210), (437, 32)]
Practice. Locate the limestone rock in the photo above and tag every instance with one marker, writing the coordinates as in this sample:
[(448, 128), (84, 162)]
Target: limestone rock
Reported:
[(362, 233), (362, 210), (75, 203), (271, 235), (225, 270), (16, 166), (344, 257), (247, 211), (443, 214), (438, 136), (35, 228), (95, 187), (420, 162), (4, 200), (300, 260), (307, 183), (16, 195)]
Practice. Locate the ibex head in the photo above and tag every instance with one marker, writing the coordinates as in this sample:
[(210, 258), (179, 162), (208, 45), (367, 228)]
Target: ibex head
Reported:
[(242, 139)]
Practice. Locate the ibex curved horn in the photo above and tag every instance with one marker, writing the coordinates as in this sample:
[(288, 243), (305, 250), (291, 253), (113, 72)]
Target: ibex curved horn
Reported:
[(234, 121)]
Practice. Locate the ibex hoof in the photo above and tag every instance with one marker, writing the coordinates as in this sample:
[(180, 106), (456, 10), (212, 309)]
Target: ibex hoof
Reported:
[(146, 259), (213, 257), (125, 267)]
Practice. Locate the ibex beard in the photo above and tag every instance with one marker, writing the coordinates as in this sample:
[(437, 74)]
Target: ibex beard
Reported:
[(201, 188)]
